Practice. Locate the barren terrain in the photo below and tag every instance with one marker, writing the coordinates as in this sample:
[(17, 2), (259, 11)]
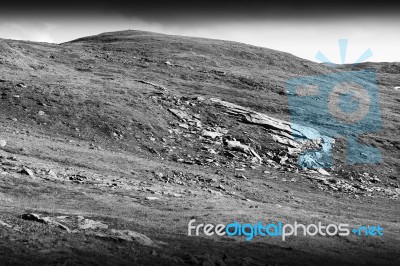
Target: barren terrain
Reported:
[(111, 144)]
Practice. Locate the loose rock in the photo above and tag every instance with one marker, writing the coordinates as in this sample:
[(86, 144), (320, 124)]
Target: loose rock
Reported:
[(5, 224), (322, 171), (211, 134), (85, 224), (46, 220), (27, 171), (129, 235), (3, 143)]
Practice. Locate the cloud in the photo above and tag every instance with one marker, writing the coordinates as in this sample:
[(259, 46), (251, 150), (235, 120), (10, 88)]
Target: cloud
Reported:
[(26, 30), (302, 38)]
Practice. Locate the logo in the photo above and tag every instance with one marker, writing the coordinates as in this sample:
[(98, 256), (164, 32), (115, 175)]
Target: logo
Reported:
[(342, 104), (280, 229)]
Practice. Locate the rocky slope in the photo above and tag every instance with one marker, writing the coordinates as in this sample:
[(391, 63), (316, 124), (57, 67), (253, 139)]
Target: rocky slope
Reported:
[(112, 143)]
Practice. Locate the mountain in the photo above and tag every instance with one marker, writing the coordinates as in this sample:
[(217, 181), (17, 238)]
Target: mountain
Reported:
[(112, 143)]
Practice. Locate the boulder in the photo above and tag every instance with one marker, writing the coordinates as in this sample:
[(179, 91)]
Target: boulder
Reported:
[(237, 146), (3, 143), (185, 126), (152, 198), (322, 171), (22, 85), (211, 134), (46, 220), (180, 114), (51, 174), (85, 224), (27, 171), (5, 224), (129, 235)]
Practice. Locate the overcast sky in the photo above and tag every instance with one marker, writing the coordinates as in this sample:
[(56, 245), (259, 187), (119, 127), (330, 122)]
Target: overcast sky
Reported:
[(300, 29)]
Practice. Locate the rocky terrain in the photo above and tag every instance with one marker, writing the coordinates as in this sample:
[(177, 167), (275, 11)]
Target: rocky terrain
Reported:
[(111, 144)]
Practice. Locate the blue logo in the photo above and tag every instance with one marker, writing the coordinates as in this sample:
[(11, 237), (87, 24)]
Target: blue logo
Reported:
[(342, 104), (280, 229)]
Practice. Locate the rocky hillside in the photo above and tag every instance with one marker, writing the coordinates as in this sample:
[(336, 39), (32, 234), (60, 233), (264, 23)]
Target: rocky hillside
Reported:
[(104, 135)]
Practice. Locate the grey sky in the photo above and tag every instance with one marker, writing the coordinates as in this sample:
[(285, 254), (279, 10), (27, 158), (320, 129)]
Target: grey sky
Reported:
[(302, 36)]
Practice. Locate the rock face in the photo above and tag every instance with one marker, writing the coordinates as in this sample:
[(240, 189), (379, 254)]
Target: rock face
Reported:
[(295, 137)]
